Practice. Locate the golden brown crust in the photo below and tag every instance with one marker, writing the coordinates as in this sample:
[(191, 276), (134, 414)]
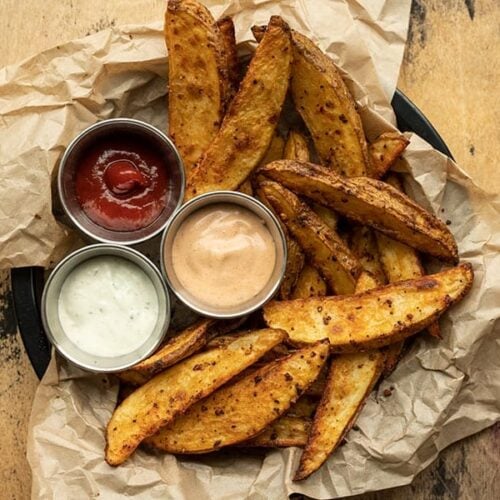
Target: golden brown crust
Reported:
[(324, 248), (250, 122), (328, 109), (170, 393), (385, 150), (296, 147), (222, 419), (372, 319), (226, 27), (197, 75), (369, 202), (350, 380), (309, 284), (363, 243)]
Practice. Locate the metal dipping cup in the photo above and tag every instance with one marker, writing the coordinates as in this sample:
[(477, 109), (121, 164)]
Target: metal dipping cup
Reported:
[(113, 128), (57, 335), (236, 198)]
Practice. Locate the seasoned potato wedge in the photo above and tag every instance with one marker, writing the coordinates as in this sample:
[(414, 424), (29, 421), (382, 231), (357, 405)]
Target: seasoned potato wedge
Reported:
[(399, 261), (241, 410), (197, 78), (317, 388), (369, 202), (374, 318), (364, 246), (284, 432), (246, 188), (304, 407), (226, 27), (170, 393), (274, 151), (250, 122), (393, 354), (385, 150), (350, 380), (309, 284), (296, 147), (177, 348), (328, 109), (324, 248), (294, 254)]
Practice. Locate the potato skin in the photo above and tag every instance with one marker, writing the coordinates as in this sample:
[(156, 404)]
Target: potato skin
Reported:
[(328, 109), (385, 150), (309, 284), (250, 122), (232, 64), (372, 319), (324, 248), (170, 393), (223, 418), (370, 202), (197, 78)]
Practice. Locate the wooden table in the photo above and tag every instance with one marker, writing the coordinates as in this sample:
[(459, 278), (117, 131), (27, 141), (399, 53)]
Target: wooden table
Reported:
[(450, 70)]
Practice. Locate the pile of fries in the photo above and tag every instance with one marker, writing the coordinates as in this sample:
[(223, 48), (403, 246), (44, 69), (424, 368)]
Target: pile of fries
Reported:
[(299, 372)]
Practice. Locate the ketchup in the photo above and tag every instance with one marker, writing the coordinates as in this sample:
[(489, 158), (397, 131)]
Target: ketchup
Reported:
[(121, 182)]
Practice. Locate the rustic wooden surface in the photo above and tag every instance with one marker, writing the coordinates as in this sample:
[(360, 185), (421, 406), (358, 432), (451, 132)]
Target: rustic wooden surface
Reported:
[(451, 71)]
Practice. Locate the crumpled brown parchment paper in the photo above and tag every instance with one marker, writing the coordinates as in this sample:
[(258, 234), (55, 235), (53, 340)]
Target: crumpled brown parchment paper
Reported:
[(442, 391)]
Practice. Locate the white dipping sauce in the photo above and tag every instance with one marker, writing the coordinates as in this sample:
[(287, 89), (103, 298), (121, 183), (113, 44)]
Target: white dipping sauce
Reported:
[(108, 306)]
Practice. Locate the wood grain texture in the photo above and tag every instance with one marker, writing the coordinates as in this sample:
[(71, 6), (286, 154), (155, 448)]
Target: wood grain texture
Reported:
[(451, 71)]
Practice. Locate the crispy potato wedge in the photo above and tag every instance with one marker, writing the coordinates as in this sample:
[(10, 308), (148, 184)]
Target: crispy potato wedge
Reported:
[(309, 284), (226, 27), (197, 78), (324, 248), (274, 151), (327, 215), (374, 318), (294, 255), (399, 261), (350, 380), (385, 150), (393, 354), (296, 147), (317, 388), (370, 202), (177, 348), (328, 109), (285, 432), (246, 188), (240, 411), (364, 246), (170, 393), (250, 122)]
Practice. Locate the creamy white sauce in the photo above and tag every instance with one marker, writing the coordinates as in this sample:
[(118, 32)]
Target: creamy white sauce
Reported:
[(108, 306)]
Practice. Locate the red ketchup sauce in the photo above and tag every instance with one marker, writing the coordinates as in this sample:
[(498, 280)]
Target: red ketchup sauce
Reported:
[(121, 183)]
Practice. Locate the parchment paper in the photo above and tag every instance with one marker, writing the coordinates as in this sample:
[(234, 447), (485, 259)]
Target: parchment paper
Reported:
[(442, 391)]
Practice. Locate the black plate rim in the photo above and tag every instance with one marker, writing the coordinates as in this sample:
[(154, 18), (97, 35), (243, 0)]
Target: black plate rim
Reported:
[(27, 282)]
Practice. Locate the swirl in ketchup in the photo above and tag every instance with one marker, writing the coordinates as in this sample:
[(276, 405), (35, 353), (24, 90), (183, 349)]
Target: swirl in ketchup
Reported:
[(121, 183)]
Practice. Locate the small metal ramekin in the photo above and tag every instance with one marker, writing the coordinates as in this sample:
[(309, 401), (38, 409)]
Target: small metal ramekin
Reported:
[(231, 197), (52, 324), (69, 164)]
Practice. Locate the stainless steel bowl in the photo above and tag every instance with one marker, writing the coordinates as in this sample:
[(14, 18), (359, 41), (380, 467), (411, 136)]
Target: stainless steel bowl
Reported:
[(70, 161), (57, 335), (257, 208)]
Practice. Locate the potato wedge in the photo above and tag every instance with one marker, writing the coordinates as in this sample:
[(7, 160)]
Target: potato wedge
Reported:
[(327, 215), (363, 244), (274, 151), (317, 388), (374, 318), (399, 261), (170, 393), (294, 255), (385, 150), (226, 27), (197, 78), (324, 248), (246, 188), (304, 407), (285, 432), (296, 147), (177, 348), (240, 411), (250, 122), (309, 284), (328, 109), (369, 202), (350, 380)]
